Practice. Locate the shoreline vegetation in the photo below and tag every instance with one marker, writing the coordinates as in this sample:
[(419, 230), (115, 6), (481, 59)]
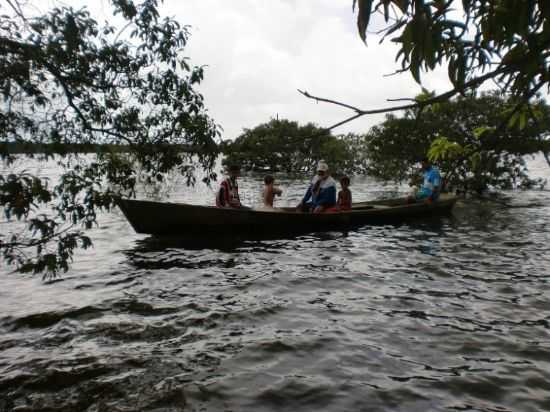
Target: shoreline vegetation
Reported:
[(12, 148), (38, 148)]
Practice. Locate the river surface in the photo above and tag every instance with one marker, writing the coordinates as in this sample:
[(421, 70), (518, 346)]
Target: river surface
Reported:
[(446, 314)]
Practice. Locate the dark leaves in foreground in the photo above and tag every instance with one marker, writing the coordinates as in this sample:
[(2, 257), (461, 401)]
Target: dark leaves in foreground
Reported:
[(466, 138), (510, 39), (110, 107)]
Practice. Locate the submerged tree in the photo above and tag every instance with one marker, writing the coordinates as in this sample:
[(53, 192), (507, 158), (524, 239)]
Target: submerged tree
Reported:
[(67, 80), (460, 136), (285, 146)]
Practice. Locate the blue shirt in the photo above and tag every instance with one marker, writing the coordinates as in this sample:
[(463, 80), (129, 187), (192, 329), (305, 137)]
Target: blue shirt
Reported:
[(432, 181), (327, 193)]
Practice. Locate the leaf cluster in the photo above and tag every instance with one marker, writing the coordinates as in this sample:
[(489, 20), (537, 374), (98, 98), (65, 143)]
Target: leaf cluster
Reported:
[(68, 82), (285, 146), (466, 138), (510, 39)]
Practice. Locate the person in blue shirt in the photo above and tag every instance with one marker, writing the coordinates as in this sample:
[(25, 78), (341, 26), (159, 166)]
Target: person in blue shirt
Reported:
[(431, 187), (321, 193)]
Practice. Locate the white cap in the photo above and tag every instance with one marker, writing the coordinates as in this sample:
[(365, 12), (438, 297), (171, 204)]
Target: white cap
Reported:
[(322, 166)]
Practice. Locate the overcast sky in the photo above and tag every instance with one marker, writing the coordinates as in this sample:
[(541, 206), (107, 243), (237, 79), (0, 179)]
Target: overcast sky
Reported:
[(258, 52)]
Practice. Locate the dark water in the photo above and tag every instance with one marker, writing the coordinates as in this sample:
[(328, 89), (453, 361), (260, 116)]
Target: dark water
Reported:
[(451, 314)]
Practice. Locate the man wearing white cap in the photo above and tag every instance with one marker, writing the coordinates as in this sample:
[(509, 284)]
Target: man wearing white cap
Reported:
[(321, 191)]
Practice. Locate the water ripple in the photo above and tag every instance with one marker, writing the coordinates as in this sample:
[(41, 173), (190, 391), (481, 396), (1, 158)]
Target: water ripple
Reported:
[(432, 315)]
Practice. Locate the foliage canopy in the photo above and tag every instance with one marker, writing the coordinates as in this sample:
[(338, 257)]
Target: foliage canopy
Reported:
[(285, 146), (67, 80), (508, 38), (461, 137)]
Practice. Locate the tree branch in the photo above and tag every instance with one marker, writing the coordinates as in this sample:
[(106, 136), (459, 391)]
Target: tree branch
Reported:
[(17, 9), (321, 99), (35, 242), (417, 103), (349, 119)]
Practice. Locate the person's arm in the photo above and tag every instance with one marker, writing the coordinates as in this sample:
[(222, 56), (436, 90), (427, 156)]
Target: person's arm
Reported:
[(236, 202), (224, 195), (265, 195), (309, 192), (221, 197), (307, 196), (436, 183), (327, 197)]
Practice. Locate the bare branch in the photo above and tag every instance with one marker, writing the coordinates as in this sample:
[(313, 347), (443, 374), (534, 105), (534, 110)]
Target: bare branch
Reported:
[(417, 103), (41, 241), (404, 99), (17, 9), (343, 122), (403, 70), (321, 99)]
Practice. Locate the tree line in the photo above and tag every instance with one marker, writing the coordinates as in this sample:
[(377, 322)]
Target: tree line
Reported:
[(458, 135)]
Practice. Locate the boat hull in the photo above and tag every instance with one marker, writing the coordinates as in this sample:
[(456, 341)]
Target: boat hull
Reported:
[(164, 218)]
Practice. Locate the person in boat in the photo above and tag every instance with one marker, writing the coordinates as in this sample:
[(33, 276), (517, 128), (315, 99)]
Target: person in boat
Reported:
[(228, 193), (344, 195), (431, 186), (321, 193), (270, 191)]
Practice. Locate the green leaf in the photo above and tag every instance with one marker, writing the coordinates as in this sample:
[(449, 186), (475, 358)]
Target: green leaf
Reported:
[(442, 148), (429, 50), (415, 64), (451, 70), (402, 4), (523, 117), (513, 120), (475, 160), (515, 55), (396, 27), (363, 16), (460, 71), (387, 10), (479, 132), (407, 40)]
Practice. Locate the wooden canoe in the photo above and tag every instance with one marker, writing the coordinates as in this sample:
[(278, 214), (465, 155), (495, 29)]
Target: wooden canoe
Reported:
[(164, 218)]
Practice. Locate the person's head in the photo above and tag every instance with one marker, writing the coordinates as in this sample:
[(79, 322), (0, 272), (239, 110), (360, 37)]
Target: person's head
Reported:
[(268, 180), (344, 182), (322, 169), (234, 171), (425, 162)]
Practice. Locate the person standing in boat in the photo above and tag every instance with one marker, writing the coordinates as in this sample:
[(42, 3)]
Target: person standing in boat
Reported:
[(228, 193), (431, 186), (321, 193)]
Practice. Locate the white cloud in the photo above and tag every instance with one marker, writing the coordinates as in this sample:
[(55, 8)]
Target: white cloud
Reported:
[(258, 52)]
